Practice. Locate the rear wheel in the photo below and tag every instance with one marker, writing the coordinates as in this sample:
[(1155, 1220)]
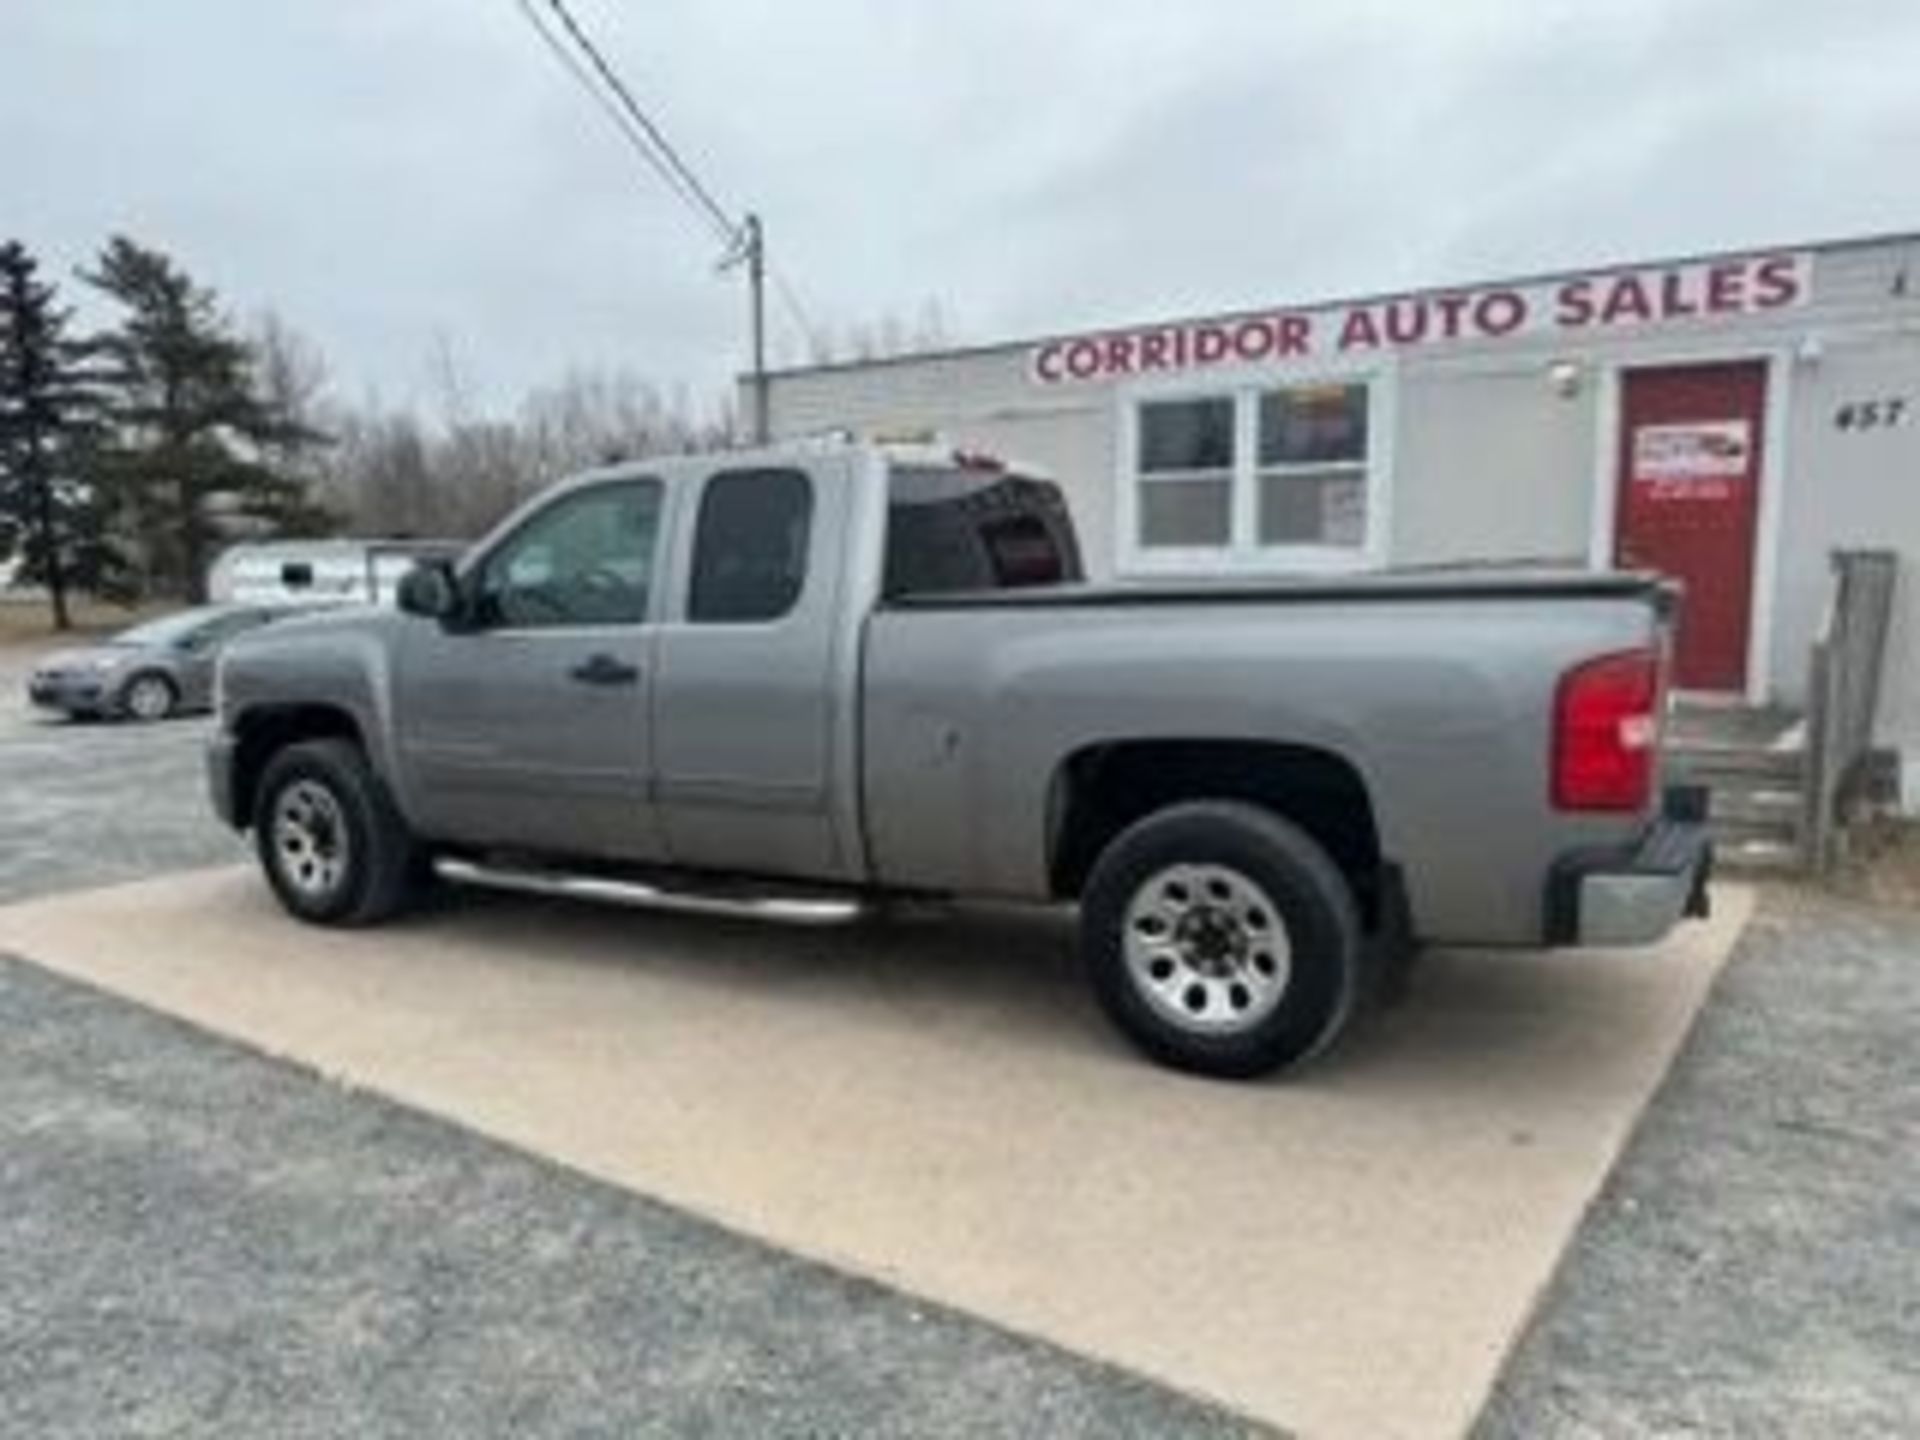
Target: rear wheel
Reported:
[(1221, 939), (148, 696), (332, 844)]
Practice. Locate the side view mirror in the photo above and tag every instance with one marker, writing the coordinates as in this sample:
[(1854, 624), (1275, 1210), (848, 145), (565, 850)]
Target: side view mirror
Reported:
[(430, 590)]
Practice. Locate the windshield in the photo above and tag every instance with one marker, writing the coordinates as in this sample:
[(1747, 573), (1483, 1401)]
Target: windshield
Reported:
[(169, 628)]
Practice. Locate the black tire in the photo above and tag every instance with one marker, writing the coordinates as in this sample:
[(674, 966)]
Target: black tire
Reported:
[(378, 860), (1308, 997), (146, 681)]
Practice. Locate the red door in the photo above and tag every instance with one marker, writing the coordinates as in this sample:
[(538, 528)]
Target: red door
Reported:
[(1689, 504)]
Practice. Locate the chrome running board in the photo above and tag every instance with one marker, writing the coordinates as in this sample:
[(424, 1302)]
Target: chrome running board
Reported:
[(786, 909)]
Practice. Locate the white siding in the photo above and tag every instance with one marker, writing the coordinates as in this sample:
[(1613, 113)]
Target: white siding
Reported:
[(1490, 460), (1852, 488), (1491, 465)]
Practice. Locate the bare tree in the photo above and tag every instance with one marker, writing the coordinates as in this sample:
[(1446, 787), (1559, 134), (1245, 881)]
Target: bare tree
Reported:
[(449, 380), (884, 338), (392, 472), (888, 336), (480, 472), (601, 417), (288, 369), (930, 330)]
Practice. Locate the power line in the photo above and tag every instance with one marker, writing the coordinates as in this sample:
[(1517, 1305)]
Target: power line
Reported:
[(744, 239), (795, 310), (633, 136), (663, 147)]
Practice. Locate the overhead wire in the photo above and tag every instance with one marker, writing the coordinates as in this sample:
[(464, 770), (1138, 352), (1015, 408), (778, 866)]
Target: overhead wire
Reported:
[(810, 335), (636, 137), (649, 140), (690, 182)]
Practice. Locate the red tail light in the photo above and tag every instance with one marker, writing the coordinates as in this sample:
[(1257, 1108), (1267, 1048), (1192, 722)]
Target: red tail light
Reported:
[(1606, 726)]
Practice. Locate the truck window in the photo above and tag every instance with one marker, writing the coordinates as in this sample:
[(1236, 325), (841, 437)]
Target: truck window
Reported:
[(960, 528), (750, 546), (586, 559)]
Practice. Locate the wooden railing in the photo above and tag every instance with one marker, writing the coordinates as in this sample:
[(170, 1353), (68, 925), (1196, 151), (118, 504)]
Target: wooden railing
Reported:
[(1843, 692)]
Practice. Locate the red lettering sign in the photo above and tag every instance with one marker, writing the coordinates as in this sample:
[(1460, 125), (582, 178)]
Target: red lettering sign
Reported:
[(1616, 299), (1359, 332)]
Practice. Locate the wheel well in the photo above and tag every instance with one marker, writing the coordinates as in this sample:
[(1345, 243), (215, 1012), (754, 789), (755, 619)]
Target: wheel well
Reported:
[(149, 672), (263, 734), (1105, 788)]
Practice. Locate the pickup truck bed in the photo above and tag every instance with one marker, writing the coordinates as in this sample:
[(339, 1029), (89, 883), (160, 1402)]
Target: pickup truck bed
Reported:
[(1410, 709), (1465, 583)]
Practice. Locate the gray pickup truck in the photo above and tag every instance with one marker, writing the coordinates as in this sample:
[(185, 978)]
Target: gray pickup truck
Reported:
[(804, 678)]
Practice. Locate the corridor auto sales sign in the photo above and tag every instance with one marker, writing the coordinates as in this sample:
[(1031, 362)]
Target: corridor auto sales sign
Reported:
[(1603, 302)]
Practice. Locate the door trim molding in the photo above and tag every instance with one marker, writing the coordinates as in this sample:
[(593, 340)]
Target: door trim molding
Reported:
[(1603, 509)]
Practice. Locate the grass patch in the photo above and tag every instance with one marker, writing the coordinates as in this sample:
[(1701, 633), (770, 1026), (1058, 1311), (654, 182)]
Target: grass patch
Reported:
[(29, 621)]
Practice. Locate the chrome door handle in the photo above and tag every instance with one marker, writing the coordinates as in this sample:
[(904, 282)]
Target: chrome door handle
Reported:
[(603, 669)]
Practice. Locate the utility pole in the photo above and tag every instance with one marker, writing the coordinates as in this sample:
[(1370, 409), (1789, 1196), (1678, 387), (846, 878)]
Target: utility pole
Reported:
[(756, 247)]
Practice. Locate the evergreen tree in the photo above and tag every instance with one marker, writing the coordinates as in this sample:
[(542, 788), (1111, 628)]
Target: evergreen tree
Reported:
[(193, 436), (49, 424)]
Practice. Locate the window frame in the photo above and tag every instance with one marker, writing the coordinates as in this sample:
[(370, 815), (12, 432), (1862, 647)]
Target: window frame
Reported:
[(1244, 553), (1171, 478), (473, 570), (696, 513)]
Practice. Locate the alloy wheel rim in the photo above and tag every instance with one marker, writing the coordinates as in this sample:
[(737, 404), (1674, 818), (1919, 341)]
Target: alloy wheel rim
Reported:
[(148, 699), (310, 842), (1207, 948)]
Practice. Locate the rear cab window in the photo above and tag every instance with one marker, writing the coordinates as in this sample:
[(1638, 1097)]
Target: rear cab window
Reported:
[(975, 526)]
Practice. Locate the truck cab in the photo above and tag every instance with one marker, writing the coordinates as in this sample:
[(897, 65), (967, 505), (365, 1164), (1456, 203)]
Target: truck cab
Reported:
[(658, 662)]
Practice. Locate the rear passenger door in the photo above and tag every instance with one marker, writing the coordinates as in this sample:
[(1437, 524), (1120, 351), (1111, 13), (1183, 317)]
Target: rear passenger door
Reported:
[(746, 702)]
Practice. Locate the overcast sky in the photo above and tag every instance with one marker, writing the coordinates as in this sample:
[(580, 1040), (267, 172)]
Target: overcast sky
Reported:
[(384, 173)]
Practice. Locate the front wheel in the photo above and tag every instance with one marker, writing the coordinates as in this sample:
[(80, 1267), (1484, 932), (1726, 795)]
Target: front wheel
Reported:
[(149, 696), (332, 844), (1221, 939)]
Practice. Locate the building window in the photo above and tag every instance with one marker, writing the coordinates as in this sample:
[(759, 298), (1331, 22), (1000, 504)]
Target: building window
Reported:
[(1263, 475), (1186, 472), (1313, 466)]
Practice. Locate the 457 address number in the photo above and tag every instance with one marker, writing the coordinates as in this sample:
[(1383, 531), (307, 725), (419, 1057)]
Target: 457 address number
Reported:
[(1872, 414)]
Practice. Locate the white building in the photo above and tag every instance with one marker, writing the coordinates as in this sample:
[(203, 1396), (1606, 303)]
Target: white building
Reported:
[(1730, 419)]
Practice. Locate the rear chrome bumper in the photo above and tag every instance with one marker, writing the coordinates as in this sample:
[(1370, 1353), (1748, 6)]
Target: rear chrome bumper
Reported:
[(1635, 895)]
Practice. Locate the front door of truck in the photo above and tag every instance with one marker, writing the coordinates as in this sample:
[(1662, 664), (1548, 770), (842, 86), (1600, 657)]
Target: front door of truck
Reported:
[(526, 726)]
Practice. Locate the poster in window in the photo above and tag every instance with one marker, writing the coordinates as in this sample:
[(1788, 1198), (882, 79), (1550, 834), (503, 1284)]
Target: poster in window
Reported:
[(1343, 513), (1693, 460)]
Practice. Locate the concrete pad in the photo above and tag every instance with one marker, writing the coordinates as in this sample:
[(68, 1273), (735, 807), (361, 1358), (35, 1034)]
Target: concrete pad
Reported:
[(1348, 1253)]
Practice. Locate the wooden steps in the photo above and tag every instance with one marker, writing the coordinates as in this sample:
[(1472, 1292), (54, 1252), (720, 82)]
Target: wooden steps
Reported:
[(1753, 763)]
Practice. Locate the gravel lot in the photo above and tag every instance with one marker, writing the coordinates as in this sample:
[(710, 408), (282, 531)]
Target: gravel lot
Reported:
[(197, 1239), (1753, 1266), (89, 803), (201, 1241)]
